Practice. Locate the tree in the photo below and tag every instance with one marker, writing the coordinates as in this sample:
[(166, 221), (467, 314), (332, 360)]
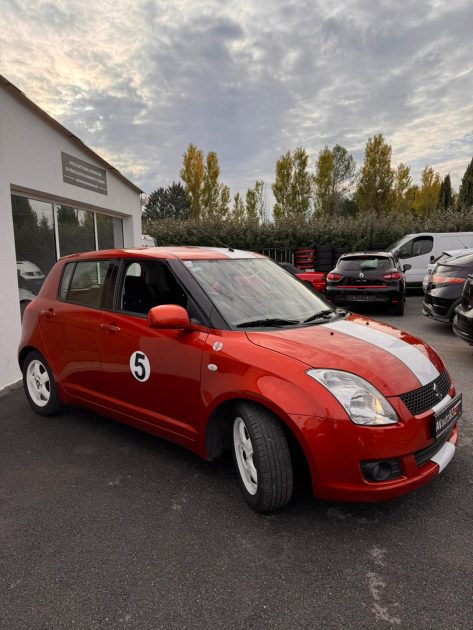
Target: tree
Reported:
[(292, 186), (167, 203), (255, 207), (192, 174), (207, 197), (445, 200), (334, 175), (374, 191), (238, 212), (403, 192), (427, 195), (465, 194)]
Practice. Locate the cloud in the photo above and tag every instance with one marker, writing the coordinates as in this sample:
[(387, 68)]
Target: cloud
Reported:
[(138, 81)]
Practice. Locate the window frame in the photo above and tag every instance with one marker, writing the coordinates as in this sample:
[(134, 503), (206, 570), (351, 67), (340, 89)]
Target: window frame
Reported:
[(110, 290)]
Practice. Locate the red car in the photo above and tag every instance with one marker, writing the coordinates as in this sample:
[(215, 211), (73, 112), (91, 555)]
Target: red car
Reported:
[(215, 348), (316, 279)]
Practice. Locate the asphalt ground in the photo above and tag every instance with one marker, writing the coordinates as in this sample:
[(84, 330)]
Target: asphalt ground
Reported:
[(102, 526)]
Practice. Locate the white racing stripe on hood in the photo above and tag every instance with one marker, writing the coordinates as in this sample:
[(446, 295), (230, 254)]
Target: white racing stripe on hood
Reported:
[(414, 359)]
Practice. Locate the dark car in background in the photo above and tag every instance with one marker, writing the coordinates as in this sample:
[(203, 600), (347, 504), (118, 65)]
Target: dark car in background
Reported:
[(444, 290), (369, 278), (463, 318)]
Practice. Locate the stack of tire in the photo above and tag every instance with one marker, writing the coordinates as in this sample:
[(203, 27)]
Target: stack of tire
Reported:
[(304, 258), (324, 257), (378, 247), (339, 251)]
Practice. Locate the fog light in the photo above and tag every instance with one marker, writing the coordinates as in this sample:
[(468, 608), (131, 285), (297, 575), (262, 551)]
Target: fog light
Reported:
[(381, 470)]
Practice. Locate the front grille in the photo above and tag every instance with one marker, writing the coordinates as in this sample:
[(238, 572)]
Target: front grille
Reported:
[(424, 398), (427, 453)]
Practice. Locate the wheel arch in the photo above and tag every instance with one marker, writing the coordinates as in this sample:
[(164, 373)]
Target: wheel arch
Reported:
[(218, 431), (24, 352)]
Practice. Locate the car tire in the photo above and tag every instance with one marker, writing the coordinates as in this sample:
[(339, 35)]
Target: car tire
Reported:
[(398, 309), (40, 386), (262, 458)]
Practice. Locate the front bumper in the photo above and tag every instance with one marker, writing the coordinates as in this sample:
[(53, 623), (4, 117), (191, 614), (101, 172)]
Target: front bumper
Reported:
[(337, 450), (430, 311), (463, 324)]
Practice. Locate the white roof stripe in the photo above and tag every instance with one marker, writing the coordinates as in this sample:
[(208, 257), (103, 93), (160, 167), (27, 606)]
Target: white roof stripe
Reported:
[(421, 366)]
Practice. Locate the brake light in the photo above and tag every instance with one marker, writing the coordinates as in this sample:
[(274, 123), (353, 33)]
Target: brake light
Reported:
[(334, 276), (446, 280), (392, 276)]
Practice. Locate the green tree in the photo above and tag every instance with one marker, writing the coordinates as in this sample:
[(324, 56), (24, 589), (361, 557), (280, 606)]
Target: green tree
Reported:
[(238, 212), (427, 195), (374, 191), (403, 193), (167, 203), (465, 194), (292, 186), (445, 200), (192, 174), (255, 207), (334, 175)]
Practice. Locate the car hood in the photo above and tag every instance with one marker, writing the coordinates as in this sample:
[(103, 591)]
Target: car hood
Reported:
[(392, 360)]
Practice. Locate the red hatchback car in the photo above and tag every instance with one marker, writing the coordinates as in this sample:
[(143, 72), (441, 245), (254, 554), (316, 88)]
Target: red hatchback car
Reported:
[(214, 348)]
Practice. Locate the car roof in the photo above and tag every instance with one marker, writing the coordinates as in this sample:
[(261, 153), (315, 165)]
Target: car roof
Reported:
[(179, 252), (381, 254)]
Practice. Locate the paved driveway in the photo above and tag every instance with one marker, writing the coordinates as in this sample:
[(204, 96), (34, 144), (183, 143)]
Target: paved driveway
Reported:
[(102, 526)]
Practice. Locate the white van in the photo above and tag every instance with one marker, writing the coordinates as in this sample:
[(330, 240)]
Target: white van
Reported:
[(418, 250), (147, 241)]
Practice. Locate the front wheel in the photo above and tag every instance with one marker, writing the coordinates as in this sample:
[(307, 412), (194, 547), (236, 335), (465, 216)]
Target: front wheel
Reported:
[(262, 458), (39, 384)]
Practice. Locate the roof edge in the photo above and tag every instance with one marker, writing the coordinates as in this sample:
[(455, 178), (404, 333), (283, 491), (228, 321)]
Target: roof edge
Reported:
[(21, 96)]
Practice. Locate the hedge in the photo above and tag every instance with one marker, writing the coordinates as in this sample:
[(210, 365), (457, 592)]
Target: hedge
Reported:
[(356, 233)]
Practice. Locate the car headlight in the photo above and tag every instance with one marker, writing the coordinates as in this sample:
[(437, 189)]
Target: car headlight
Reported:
[(362, 402)]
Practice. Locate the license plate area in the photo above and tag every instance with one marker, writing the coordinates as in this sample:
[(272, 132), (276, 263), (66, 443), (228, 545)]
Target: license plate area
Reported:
[(444, 421)]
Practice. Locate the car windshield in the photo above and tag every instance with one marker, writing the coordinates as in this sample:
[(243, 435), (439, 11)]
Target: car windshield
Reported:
[(257, 292), (356, 263)]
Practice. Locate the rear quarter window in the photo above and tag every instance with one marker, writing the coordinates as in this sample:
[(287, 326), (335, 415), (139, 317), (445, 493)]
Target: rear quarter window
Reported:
[(87, 283)]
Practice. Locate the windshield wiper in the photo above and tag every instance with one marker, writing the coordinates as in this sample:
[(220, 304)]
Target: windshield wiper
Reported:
[(274, 321), (326, 314)]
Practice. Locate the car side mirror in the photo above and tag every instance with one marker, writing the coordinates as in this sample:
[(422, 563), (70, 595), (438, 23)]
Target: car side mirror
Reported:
[(168, 316), (432, 258), (406, 267)]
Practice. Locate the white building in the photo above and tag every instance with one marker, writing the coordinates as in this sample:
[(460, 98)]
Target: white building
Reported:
[(57, 197)]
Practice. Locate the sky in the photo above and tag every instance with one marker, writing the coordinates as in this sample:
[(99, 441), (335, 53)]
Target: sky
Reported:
[(138, 80)]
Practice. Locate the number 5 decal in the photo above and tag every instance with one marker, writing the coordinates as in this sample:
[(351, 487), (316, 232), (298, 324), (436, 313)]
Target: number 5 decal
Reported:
[(139, 366)]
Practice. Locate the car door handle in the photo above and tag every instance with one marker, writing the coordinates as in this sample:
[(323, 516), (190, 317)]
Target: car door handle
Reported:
[(110, 327), (48, 313)]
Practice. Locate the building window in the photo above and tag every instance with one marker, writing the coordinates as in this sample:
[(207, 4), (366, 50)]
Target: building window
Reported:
[(33, 225), (109, 232), (77, 231)]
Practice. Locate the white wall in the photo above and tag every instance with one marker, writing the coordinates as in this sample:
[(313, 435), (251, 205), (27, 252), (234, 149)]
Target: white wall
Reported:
[(30, 161)]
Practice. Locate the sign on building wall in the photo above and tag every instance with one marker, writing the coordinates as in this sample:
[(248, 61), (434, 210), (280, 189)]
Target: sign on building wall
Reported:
[(82, 174)]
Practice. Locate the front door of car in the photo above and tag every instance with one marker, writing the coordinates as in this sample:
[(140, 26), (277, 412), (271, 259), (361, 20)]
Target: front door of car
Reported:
[(152, 375)]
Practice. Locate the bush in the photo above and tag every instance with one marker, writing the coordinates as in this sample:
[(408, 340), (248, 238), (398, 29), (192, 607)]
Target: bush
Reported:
[(355, 232)]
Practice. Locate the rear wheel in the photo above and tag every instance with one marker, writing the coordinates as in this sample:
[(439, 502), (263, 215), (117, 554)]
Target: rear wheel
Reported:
[(262, 458), (39, 384)]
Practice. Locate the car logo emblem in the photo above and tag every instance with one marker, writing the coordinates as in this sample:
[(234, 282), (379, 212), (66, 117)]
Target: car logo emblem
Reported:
[(362, 275), (437, 392)]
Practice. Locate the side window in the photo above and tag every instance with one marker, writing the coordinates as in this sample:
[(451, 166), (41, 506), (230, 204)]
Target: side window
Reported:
[(422, 245), (417, 247), (150, 283), (87, 283)]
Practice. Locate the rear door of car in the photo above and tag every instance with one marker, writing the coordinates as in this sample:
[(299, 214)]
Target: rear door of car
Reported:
[(70, 326), (152, 375)]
